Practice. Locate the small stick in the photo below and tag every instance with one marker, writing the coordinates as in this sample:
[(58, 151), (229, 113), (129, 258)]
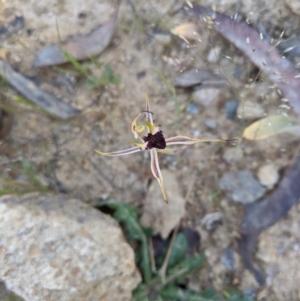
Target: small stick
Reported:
[(163, 269), (152, 258)]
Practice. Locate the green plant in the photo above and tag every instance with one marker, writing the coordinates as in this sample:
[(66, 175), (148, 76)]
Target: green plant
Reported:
[(107, 77), (171, 90), (32, 183), (154, 142), (13, 297), (156, 286)]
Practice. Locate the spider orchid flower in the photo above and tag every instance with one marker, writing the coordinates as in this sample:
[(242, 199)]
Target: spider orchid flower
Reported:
[(154, 142)]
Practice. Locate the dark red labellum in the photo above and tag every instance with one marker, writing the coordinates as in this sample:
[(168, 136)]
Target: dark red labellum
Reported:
[(155, 141)]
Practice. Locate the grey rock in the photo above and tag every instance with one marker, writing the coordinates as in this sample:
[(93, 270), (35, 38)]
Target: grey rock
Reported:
[(233, 154), (54, 248), (211, 221), (249, 110), (230, 109), (228, 259), (194, 77), (241, 186), (209, 96), (294, 5)]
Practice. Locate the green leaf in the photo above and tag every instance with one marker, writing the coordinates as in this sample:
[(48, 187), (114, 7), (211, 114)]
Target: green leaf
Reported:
[(24, 101), (110, 77), (6, 191), (177, 294), (185, 267), (30, 173), (141, 293), (76, 64), (126, 215), (233, 295), (188, 265), (178, 251), (210, 294), (268, 126)]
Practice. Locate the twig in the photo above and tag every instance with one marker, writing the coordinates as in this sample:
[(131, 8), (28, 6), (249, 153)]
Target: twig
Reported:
[(163, 269), (152, 258)]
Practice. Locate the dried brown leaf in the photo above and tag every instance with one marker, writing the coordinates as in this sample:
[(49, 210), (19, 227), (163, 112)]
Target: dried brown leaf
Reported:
[(79, 47), (264, 55), (268, 126), (158, 215), (261, 215), (34, 94)]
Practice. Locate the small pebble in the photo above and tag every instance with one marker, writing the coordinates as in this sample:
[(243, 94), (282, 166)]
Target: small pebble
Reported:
[(233, 154), (207, 96), (211, 123), (197, 133), (211, 221), (228, 259), (192, 109), (268, 175), (164, 39), (249, 110), (230, 109), (241, 186), (214, 54)]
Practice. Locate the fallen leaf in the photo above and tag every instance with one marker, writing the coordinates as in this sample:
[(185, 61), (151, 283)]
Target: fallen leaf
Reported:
[(158, 215), (269, 126), (261, 215), (264, 55), (79, 47), (35, 95)]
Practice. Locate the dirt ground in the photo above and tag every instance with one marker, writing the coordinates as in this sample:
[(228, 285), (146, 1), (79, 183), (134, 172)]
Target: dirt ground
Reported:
[(61, 153)]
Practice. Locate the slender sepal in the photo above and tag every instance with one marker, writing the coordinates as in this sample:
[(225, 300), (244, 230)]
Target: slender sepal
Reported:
[(184, 140), (121, 152), (156, 172)]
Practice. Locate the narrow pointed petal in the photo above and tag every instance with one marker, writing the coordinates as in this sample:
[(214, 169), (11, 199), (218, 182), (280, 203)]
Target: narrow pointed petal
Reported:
[(147, 111), (183, 140), (156, 172), (141, 146), (167, 151), (121, 152), (136, 129), (151, 127)]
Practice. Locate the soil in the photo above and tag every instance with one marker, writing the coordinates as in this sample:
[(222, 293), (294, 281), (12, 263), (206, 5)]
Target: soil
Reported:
[(61, 154)]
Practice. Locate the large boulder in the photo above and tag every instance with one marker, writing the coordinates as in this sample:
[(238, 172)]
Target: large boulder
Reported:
[(55, 248)]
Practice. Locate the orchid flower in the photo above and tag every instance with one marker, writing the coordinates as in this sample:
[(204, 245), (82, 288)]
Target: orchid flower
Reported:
[(154, 142)]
